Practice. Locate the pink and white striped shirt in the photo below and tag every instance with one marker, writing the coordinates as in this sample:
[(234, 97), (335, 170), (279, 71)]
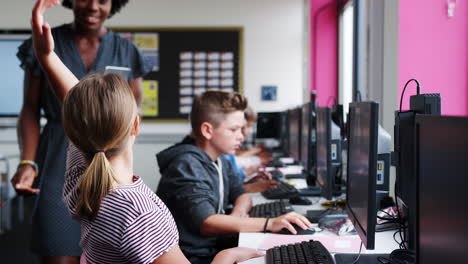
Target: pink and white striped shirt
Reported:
[(132, 225)]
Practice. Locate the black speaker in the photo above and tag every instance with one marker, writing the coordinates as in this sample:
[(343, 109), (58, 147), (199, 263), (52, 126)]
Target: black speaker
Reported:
[(427, 104)]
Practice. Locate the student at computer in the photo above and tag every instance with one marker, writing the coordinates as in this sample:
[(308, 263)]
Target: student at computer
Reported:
[(198, 183), (248, 157), (254, 179), (258, 181), (122, 220)]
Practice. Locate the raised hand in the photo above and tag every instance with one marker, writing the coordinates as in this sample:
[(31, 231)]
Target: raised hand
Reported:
[(60, 78), (41, 32)]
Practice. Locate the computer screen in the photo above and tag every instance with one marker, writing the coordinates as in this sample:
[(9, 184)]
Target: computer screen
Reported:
[(268, 125), (338, 118), (294, 118), (305, 135), (325, 179), (362, 169), (442, 165), (11, 74), (284, 131)]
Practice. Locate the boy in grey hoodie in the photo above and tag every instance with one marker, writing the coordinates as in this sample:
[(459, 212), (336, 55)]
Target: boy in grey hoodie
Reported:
[(198, 183)]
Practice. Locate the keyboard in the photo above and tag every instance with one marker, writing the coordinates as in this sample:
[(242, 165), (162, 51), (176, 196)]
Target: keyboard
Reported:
[(273, 209), (282, 191), (276, 175), (300, 253), (276, 163)]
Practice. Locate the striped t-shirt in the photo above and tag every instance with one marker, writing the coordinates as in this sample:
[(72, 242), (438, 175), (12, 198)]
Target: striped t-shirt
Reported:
[(132, 225)]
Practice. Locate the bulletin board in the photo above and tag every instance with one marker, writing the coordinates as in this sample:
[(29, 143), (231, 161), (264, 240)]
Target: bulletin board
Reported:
[(185, 62)]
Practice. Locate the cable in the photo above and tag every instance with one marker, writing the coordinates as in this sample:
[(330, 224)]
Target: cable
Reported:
[(403, 93), (358, 96), (359, 255), (399, 256), (402, 227)]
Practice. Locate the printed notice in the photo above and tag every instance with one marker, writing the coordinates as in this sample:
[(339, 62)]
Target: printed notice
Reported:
[(149, 102)]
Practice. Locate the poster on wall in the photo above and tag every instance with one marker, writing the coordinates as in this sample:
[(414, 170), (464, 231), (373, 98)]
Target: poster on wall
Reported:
[(149, 103), (205, 71), (148, 43)]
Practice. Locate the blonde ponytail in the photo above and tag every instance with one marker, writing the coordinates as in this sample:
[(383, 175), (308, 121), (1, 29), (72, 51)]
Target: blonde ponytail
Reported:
[(98, 114), (96, 182)]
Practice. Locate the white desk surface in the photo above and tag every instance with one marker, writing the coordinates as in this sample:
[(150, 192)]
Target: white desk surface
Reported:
[(384, 242)]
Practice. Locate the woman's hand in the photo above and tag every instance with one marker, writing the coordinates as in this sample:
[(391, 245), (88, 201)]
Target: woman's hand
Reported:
[(41, 33), (237, 254), (286, 221), (23, 180)]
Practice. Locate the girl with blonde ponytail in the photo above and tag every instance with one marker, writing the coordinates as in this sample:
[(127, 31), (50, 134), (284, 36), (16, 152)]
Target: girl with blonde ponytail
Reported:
[(122, 220), (99, 115)]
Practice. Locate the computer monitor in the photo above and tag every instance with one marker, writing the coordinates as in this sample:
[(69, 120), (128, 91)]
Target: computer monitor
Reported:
[(338, 118), (362, 167), (11, 74), (284, 131), (305, 136), (294, 119), (325, 179), (268, 125), (441, 168)]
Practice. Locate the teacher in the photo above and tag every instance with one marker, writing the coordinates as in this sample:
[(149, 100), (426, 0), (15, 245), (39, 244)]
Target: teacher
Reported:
[(85, 46)]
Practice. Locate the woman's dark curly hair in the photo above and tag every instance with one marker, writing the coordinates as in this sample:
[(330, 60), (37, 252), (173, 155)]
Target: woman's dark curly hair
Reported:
[(116, 5)]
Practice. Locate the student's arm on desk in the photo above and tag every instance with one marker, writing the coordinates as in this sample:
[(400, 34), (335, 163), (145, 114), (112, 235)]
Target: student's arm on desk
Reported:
[(227, 256), (219, 224), (242, 206)]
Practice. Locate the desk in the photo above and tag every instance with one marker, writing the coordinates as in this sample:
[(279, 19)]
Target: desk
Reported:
[(384, 242)]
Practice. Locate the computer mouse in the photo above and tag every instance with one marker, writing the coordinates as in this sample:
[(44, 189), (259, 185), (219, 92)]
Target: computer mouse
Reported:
[(300, 200), (300, 231)]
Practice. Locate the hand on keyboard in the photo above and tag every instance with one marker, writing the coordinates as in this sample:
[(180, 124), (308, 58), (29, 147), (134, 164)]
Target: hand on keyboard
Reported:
[(286, 221), (260, 186)]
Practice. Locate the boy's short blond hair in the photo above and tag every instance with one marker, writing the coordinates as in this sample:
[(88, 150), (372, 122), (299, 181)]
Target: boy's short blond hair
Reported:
[(213, 106), (250, 114)]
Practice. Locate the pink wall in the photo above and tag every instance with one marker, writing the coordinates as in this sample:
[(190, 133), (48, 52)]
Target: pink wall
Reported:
[(324, 50), (433, 49)]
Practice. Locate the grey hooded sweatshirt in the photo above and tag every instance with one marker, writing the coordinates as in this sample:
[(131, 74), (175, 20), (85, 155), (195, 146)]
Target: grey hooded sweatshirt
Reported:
[(189, 187)]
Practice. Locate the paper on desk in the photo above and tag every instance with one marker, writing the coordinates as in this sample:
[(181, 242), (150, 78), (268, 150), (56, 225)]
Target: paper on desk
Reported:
[(297, 169), (334, 244), (286, 160)]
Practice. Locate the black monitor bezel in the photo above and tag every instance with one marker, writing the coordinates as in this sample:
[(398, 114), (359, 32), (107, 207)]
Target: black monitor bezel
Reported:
[(284, 139), (306, 141), (367, 236), (326, 189), (295, 151)]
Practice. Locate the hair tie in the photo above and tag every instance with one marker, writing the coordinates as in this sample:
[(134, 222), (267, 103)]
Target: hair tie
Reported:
[(100, 150)]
